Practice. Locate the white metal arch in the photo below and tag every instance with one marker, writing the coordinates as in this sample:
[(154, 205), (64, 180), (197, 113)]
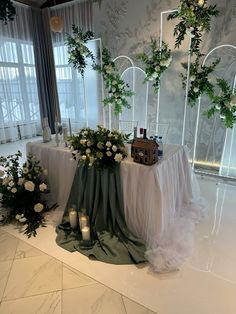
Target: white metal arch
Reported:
[(147, 89), (199, 101)]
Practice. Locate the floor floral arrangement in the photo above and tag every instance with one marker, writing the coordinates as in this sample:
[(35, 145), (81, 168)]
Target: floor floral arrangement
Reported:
[(21, 192), (100, 148)]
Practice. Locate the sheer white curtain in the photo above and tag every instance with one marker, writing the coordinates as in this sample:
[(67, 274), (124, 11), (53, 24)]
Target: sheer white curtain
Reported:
[(80, 101), (19, 105)]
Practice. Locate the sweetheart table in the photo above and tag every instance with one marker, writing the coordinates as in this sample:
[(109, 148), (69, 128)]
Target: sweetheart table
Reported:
[(161, 202)]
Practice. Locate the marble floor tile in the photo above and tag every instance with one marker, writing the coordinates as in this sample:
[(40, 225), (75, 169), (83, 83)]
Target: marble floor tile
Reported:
[(72, 278), (33, 275), (41, 304), (5, 268), (93, 299), (8, 245), (135, 308), (25, 250)]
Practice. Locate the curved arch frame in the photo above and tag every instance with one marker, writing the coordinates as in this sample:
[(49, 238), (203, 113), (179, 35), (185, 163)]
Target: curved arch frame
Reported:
[(199, 106), (147, 90)]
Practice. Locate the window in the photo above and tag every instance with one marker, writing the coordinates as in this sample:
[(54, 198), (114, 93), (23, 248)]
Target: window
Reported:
[(78, 100)]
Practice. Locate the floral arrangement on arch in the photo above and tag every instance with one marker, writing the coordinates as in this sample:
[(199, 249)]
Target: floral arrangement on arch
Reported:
[(117, 89), (195, 17), (99, 148), (199, 82), (224, 103), (78, 52), (156, 62), (7, 11), (21, 191)]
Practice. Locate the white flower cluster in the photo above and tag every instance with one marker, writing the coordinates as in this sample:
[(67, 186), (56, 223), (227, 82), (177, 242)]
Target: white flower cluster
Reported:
[(98, 148)]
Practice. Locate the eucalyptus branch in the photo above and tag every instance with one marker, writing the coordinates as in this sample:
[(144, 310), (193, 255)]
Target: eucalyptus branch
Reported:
[(78, 52), (156, 62), (117, 89), (194, 18)]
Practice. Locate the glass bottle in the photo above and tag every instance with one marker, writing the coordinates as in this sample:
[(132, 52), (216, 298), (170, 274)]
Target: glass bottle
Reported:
[(46, 130)]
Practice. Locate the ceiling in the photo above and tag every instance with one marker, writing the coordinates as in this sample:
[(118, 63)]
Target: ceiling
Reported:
[(42, 3)]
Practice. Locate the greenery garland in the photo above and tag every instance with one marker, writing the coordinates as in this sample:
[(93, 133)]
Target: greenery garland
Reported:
[(224, 103), (195, 17), (156, 62), (7, 11), (117, 89), (198, 80), (78, 52)]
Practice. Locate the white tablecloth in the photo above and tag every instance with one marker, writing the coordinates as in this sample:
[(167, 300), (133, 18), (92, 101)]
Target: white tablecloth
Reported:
[(161, 202)]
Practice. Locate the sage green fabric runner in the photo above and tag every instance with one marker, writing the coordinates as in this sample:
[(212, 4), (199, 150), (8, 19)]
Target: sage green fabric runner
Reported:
[(99, 191)]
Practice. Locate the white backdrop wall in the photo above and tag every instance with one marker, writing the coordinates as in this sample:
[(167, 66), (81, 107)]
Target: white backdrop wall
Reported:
[(126, 26)]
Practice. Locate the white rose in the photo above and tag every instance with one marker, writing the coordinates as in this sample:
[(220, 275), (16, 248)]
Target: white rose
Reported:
[(109, 154), (222, 117), (108, 144), (21, 181), (18, 216), (38, 207), (192, 78), (217, 107), (75, 152), (82, 141), (2, 172), (25, 170), (201, 2), (13, 190), (83, 157), (155, 75), (45, 172), (110, 135), (5, 181), (114, 82), (11, 183), (196, 89), (88, 151), (100, 145), (118, 157), (92, 159), (114, 148), (23, 219), (89, 144), (42, 187), (29, 186)]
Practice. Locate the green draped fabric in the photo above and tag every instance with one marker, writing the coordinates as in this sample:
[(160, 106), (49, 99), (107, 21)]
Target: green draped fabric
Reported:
[(99, 191)]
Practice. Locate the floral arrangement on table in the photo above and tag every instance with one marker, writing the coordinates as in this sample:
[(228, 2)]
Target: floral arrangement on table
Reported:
[(224, 103), (99, 148), (7, 11), (78, 52), (21, 191), (156, 62), (117, 89), (195, 17), (198, 80)]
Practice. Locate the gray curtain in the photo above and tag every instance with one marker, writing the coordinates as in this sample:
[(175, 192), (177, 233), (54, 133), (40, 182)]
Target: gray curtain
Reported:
[(45, 68)]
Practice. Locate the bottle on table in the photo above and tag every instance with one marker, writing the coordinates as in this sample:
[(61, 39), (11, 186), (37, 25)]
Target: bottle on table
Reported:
[(144, 133), (160, 148), (46, 130)]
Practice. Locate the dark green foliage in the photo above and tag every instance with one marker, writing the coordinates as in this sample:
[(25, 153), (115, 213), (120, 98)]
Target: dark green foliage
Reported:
[(7, 11)]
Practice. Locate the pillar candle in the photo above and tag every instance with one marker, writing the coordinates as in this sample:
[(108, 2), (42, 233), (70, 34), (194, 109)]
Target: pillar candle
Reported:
[(82, 221), (86, 233), (73, 219)]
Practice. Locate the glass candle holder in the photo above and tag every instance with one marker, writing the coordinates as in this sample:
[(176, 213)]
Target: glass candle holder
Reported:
[(73, 217)]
